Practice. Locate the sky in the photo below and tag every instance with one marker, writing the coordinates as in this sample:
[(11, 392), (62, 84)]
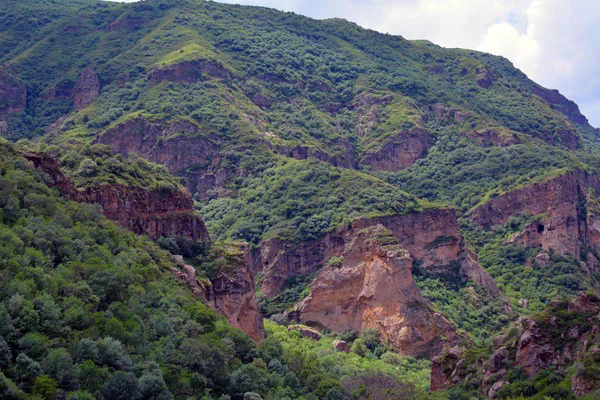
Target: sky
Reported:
[(555, 42)]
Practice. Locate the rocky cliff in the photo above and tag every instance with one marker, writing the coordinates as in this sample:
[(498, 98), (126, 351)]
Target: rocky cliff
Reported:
[(432, 237), (564, 334), (560, 103), (372, 287), (230, 292), (190, 72), (13, 95), (400, 152), (86, 89), (174, 144), (140, 210), (564, 204)]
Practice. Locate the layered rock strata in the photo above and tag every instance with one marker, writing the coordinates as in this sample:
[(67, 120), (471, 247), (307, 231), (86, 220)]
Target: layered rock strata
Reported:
[(373, 288), (140, 210), (432, 237), (564, 204)]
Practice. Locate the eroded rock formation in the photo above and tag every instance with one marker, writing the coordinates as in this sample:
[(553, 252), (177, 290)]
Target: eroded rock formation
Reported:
[(432, 237), (190, 72), (373, 288), (175, 145), (562, 335), (86, 89), (400, 152), (232, 293), (565, 205), (13, 95), (140, 210), (561, 104)]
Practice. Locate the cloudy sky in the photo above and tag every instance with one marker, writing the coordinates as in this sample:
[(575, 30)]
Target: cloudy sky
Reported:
[(555, 42)]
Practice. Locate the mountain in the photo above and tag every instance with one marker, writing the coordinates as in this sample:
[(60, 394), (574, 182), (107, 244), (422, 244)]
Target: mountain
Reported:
[(310, 172)]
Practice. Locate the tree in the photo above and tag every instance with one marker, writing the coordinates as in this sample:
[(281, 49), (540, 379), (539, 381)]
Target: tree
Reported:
[(45, 387), (121, 386), (153, 387)]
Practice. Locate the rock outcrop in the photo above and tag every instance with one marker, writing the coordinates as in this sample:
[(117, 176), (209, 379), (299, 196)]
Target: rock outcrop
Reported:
[(345, 159), (566, 225), (232, 293), (190, 72), (373, 288), (432, 237), (140, 210), (561, 336), (147, 212), (13, 95), (560, 103), (400, 152), (306, 331), (86, 89), (341, 345), (176, 145)]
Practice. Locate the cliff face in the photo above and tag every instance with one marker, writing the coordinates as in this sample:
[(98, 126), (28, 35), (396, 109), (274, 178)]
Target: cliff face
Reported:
[(174, 144), (432, 237), (140, 210), (86, 89), (345, 160), (231, 292), (564, 334), (190, 72), (13, 95), (562, 104), (146, 211), (567, 223), (373, 288), (400, 152)]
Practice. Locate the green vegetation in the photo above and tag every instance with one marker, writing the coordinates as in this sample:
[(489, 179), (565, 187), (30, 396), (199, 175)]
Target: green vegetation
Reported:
[(274, 104), (88, 310), (299, 200)]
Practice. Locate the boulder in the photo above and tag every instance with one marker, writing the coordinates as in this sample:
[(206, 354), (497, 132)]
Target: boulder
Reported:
[(340, 345), (306, 331)]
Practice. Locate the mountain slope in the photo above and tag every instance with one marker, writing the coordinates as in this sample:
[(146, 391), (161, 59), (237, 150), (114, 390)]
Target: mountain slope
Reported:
[(289, 132)]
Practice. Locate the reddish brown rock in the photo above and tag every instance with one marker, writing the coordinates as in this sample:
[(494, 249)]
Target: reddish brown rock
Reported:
[(373, 288), (561, 104), (400, 152), (432, 237), (497, 360), (306, 331), (172, 144), (190, 72), (581, 385), (496, 388), (261, 100), (492, 137), (533, 353), (340, 345), (176, 145), (565, 227), (485, 77), (86, 89), (582, 303), (345, 159), (13, 95), (438, 377), (140, 210), (232, 293)]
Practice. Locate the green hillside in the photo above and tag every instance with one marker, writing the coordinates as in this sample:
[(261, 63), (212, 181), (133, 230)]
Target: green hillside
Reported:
[(279, 126)]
